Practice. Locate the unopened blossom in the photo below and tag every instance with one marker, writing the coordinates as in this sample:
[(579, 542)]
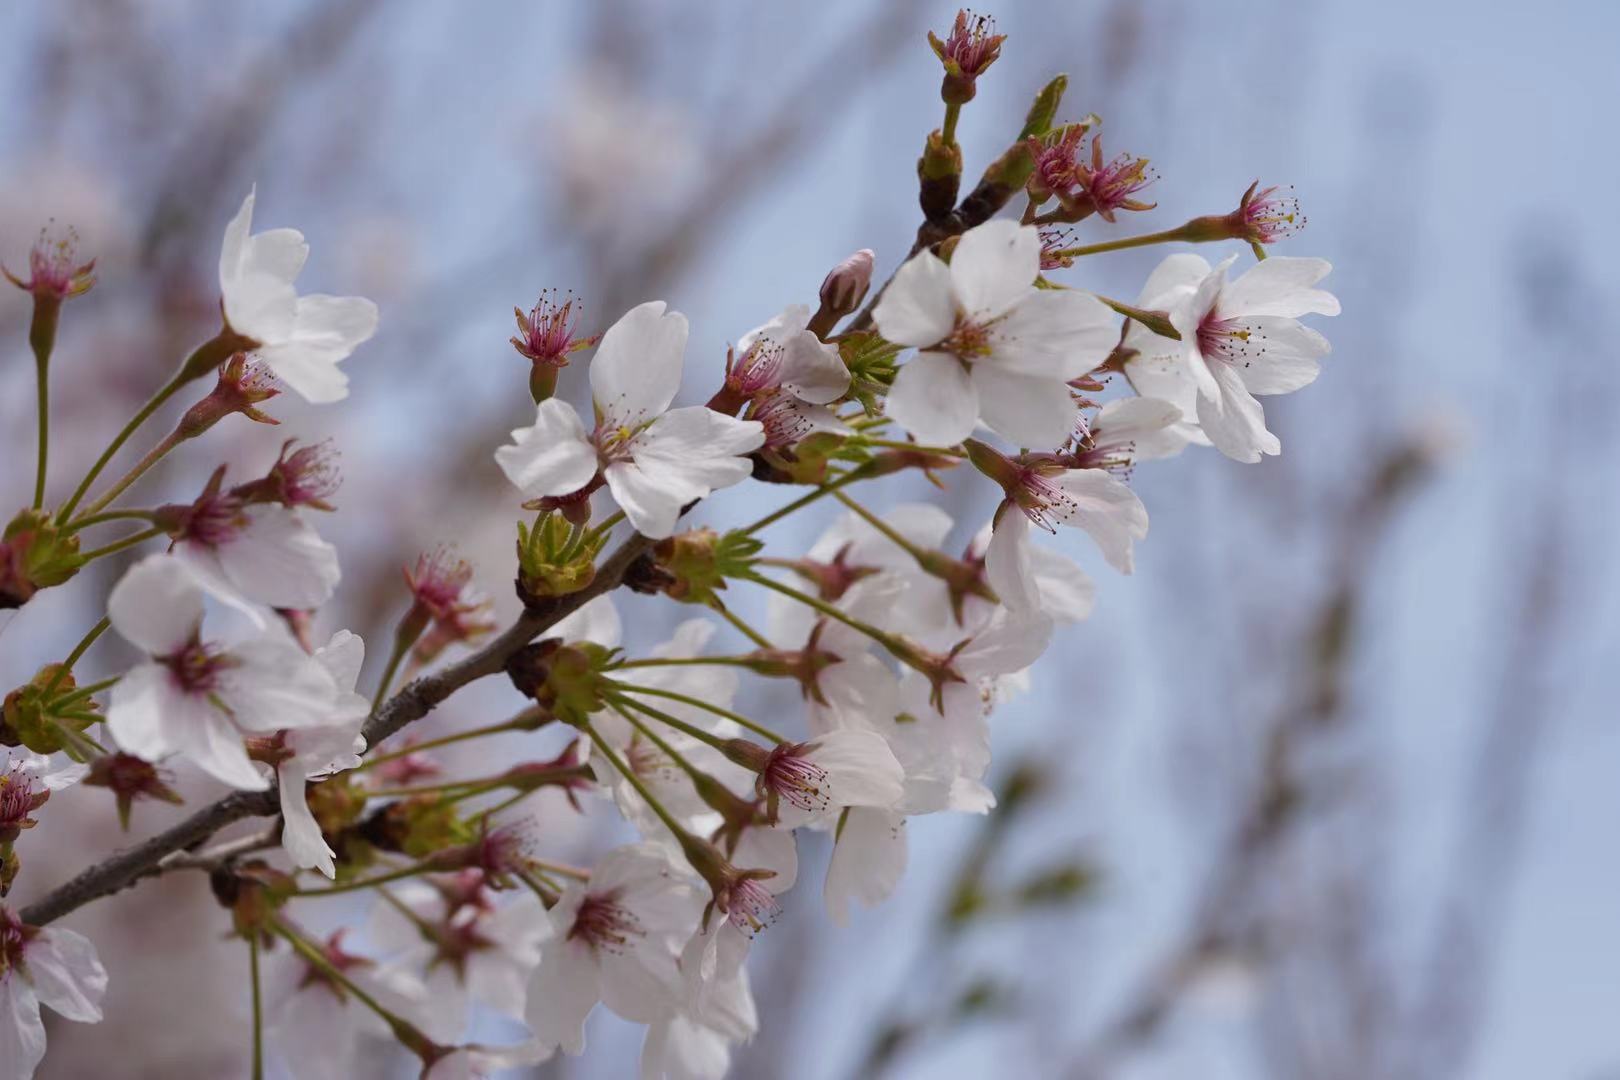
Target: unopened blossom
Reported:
[(197, 697), (42, 966), (653, 458), (476, 947), (1243, 338), (300, 338), (996, 350), (27, 780), (845, 285), (251, 555), (615, 939), (54, 271), (315, 752)]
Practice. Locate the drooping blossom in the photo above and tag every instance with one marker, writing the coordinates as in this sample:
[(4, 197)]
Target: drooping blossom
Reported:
[(653, 458), (614, 939), (996, 350), (42, 966), (300, 338), (305, 476), (316, 752), (197, 697), (818, 779), (27, 780)]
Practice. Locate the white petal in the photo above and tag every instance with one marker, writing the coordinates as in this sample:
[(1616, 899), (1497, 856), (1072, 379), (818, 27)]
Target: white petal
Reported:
[(1286, 360), (1024, 409), (1058, 333), (566, 988), (636, 371), (276, 253), (311, 374), (861, 769), (812, 370), (1007, 565), (994, 267), (551, 457), (1280, 285), (275, 685), (918, 307), (141, 708), (343, 655), (933, 398), (651, 507), (1008, 643), (1066, 593), (1107, 509), (206, 736), (1176, 275), (235, 243), (66, 974), (22, 1033), (867, 862), (1234, 420), (156, 606), (301, 835), (280, 561), (781, 329)]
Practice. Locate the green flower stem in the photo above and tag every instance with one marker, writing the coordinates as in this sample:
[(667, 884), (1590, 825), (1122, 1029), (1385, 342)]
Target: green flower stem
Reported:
[(683, 661), (744, 629), (81, 694), (403, 1030), (699, 703), (43, 340), (484, 783), (894, 536), (153, 404), (87, 520), (635, 781), (66, 667), (401, 646), (258, 1008), (897, 648), (423, 867), (153, 456), (119, 545), (1169, 236), (804, 500), (517, 723), (895, 444), (948, 133)]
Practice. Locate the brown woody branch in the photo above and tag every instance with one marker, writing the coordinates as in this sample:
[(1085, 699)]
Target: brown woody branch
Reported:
[(414, 701)]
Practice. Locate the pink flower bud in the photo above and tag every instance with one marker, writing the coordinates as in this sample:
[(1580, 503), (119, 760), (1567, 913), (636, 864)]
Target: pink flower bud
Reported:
[(845, 285)]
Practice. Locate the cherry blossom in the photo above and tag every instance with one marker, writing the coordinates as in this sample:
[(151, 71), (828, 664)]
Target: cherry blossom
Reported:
[(653, 458), (321, 751), (198, 697), (996, 349), (42, 966), (302, 339)]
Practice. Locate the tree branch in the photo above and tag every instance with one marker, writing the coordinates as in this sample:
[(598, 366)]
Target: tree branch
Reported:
[(414, 701)]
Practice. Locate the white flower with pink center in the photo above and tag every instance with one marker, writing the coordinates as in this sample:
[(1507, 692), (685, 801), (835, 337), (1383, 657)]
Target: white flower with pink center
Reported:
[(788, 377), (996, 350), (1243, 338), (27, 780), (300, 338), (197, 697), (614, 940), (816, 780), (653, 458), (42, 966)]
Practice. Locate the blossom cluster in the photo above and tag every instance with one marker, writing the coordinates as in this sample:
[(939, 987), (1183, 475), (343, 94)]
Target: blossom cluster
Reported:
[(976, 355)]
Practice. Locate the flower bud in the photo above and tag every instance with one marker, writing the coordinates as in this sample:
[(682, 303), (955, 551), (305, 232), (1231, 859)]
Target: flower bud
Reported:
[(846, 284), (34, 555)]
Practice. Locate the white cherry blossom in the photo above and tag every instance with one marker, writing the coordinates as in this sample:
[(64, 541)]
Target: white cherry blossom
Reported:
[(197, 697), (300, 338), (653, 458), (321, 751), (256, 556), (996, 349), (42, 966)]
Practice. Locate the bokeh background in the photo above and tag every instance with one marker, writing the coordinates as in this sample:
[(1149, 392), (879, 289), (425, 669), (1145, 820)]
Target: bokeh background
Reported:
[(1327, 789)]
